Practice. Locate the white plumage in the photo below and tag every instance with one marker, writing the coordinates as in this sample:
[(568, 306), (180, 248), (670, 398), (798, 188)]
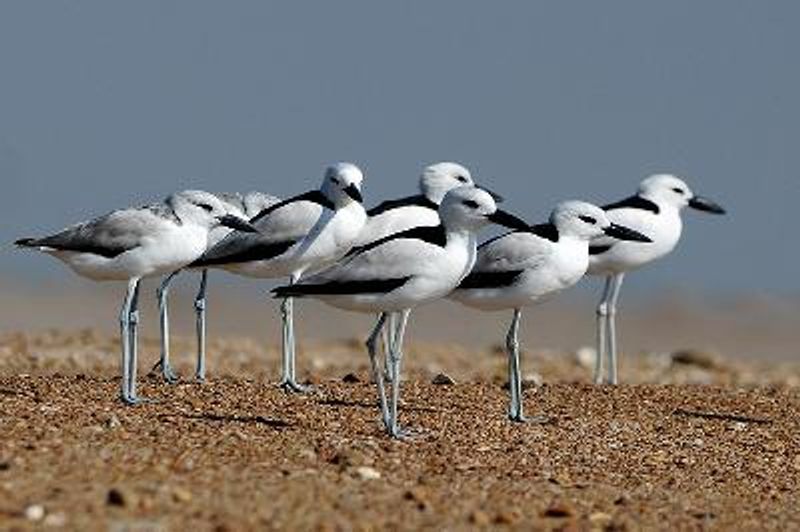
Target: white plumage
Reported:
[(522, 268), (403, 270), (130, 244), (656, 212)]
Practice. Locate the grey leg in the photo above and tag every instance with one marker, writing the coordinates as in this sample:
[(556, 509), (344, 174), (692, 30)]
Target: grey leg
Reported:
[(397, 359), (602, 332), (200, 315), (163, 294), (125, 340), (612, 329), (388, 341), (514, 374), (129, 319), (377, 372), (288, 375)]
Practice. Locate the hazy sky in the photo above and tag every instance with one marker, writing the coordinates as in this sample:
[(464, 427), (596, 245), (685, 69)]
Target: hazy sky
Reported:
[(105, 104)]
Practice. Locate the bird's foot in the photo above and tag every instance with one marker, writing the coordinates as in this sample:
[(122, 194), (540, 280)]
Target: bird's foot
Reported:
[(292, 386), (519, 417)]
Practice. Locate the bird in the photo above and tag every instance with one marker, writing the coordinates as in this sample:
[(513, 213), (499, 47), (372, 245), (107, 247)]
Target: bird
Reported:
[(393, 216), (303, 233), (398, 272), (525, 267), (655, 210), (242, 205), (135, 243)]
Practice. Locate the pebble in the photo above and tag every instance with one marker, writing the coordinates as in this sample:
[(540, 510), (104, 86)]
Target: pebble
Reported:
[(558, 508), (368, 473), (600, 520), (181, 495), (115, 497), (479, 518), (56, 520), (34, 512), (585, 357), (695, 357), (443, 379), (351, 378), (113, 422)]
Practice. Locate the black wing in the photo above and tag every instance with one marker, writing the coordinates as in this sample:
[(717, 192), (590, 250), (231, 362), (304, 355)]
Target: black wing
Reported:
[(410, 201), (634, 202)]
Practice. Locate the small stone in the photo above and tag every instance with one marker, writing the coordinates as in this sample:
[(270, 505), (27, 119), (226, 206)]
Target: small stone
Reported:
[(181, 495), (558, 508), (585, 357), (479, 518), (368, 473), (351, 378), (443, 379), (507, 517), (56, 520), (113, 422), (115, 497), (796, 463), (34, 512), (695, 357), (600, 520)]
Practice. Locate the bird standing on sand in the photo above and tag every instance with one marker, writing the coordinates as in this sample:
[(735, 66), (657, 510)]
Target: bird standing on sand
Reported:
[(420, 210), (300, 234), (131, 244), (523, 267), (403, 270), (655, 211), (244, 206)]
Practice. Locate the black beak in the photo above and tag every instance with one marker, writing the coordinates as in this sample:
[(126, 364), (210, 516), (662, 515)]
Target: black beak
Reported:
[(623, 233), (352, 191), (508, 220), (495, 196), (234, 222), (706, 205)]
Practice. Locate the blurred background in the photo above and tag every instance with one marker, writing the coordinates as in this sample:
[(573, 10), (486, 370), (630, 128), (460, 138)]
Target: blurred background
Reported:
[(105, 104)]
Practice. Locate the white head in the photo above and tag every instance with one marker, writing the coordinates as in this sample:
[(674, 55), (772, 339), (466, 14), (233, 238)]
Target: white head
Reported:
[(582, 220), (342, 184), (206, 209), (470, 208), (438, 179), (670, 190)]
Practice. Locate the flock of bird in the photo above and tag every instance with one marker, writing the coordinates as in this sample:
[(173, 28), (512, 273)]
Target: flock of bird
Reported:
[(386, 260)]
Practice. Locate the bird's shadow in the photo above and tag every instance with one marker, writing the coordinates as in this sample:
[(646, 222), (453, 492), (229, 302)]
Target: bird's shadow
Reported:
[(337, 402), (232, 418)]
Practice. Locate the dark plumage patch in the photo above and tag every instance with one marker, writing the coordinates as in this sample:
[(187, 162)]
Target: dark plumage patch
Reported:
[(314, 196), (435, 235), (371, 286), (253, 253), (634, 202), (490, 279), (548, 231), (75, 245), (411, 201), (598, 250)]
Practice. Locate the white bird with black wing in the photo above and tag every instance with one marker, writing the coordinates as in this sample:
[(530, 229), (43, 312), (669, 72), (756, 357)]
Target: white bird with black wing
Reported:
[(524, 267), (403, 270), (244, 206), (655, 211), (300, 234)]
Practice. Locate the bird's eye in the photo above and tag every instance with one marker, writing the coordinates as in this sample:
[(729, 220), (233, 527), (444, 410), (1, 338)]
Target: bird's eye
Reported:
[(471, 204), (678, 190), (335, 180), (206, 207), (588, 219), (461, 178)]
